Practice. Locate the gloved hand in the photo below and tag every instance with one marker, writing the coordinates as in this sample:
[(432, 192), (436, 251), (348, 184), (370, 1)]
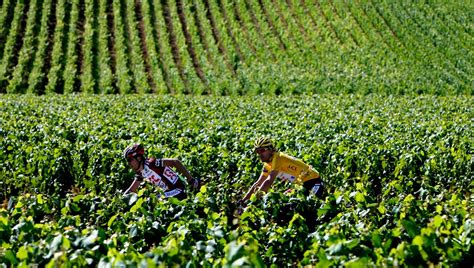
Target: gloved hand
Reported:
[(241, 204), (195, 183)]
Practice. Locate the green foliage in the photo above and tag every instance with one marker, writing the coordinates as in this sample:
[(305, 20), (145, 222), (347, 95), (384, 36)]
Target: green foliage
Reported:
[(398, 173), (224, 47)]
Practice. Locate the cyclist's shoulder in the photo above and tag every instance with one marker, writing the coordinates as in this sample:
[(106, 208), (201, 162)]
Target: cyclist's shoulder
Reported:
[(283, 157), (154, 162)]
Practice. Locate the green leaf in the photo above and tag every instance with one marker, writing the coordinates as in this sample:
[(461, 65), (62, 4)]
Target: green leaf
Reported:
[(350, 244), (111, 220), (234, 251), (381, 208), (133, 198), (39, 199), (357, 263), (437, 221), (174, 201), (78, 197), (10, 257), (410, 227), (56, 243), (64, 211), (90, 239), (335, 249), (19, 204), (324, 264), (22, 253), (418, 240), (243, 261), (172, 247), (3, 220), (133, 231), (360, 198), (66, 243), (376, 240), (138, 205)]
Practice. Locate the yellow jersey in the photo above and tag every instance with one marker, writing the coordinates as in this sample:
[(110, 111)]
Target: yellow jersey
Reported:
[(290, 168)]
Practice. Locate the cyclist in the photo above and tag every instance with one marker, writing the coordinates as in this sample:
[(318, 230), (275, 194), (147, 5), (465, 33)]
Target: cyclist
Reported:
[(279, 165), (159, 172)]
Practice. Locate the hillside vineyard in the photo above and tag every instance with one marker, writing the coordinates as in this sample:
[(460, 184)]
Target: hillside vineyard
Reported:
[(225, 47)]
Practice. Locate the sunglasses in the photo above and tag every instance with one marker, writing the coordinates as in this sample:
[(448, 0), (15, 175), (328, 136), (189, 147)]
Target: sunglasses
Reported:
[(260, 150), (129, 159)]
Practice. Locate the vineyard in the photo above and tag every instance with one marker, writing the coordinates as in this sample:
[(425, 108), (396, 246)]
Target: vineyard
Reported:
[(226, 47), (375, 95), (398, 172)]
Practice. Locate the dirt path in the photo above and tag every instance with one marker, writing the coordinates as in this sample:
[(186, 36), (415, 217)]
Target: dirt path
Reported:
[(146, 57), (189, 43)]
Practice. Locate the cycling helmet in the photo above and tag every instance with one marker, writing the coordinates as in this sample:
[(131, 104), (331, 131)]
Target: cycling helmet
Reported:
[(264, 142), (134, 151)]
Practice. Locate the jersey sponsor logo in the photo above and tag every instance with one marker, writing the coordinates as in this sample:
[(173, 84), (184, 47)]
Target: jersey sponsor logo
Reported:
[(292, 168), (159, 162), (154, 178), (315, 188), (147, 172), (286, 177), (174, 192), (170, 175)]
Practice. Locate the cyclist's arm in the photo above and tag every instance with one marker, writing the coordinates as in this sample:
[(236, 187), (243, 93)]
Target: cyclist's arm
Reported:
[(269, 181), (134, 186), (255, 186), (173, 162)]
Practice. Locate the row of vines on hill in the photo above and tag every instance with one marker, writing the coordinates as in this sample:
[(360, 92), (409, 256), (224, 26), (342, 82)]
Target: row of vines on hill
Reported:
[(226, 47)]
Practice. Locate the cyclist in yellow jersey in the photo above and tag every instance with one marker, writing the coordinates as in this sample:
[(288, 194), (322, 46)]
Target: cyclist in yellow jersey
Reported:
[(279, 165)]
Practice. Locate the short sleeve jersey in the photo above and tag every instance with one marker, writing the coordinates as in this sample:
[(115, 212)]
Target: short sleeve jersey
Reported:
[(290, 168), (160, 175)]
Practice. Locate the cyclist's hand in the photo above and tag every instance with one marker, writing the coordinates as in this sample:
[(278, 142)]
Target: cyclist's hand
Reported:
[(241, 204), (240, 208), (195, 183)]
